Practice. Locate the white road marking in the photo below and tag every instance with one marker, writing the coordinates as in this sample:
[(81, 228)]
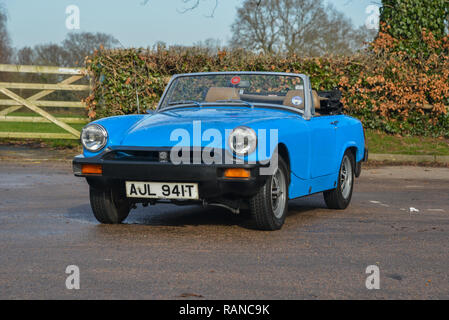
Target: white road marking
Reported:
[(436, 210), (380, 203)]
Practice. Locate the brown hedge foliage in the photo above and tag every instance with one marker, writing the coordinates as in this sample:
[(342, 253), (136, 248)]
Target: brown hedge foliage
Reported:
[(386, 88), (398, 83)]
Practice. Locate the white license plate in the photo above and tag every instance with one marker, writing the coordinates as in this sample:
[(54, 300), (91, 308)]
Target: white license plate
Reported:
[(161, 190)]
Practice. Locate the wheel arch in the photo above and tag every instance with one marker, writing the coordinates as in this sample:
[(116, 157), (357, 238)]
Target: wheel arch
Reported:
[(353, 150), (352, 147), (284, 154)]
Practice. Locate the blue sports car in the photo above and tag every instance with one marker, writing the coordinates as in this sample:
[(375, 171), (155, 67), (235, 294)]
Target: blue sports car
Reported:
[(240, 140)]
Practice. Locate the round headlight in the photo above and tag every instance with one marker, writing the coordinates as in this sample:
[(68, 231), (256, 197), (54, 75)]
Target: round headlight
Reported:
[(243, 141), (94, 137)]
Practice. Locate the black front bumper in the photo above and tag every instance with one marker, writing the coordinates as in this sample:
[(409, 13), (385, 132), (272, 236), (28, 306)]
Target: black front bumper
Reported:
[(210, 177)]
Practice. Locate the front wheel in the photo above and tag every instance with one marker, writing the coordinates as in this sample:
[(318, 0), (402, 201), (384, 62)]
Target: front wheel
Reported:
[(340, 197), (109, 206), (270, 205)]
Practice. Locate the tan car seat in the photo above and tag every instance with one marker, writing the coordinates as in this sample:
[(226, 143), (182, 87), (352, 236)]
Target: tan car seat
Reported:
[(316, 102), (221, 93), (289, 96)]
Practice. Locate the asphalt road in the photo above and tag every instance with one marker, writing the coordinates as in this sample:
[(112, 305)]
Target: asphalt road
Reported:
[(168, 252)]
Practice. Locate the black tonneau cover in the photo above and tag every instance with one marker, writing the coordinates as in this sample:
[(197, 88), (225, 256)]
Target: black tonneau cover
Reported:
[(330, 104)]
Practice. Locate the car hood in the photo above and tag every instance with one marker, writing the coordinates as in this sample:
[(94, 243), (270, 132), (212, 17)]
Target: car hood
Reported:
[(163, 128)]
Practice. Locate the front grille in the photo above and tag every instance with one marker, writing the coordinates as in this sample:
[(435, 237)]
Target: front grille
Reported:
[(153, 156), (133, 155)]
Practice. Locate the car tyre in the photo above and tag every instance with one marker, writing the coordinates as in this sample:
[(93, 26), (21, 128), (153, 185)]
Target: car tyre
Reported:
[(340, 197), (269, 206), (108, 206), (358, 169)]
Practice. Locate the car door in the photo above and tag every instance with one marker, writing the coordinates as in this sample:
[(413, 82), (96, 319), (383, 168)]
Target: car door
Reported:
[(323, 145)]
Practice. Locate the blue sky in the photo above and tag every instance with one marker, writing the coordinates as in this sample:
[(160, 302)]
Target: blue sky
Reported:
[(135, 24)]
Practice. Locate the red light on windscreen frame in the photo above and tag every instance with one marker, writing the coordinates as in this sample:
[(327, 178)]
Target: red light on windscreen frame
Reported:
[(235, 80)]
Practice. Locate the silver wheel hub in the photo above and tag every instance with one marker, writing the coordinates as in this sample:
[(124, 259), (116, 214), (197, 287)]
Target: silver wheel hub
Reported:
[(278, 193), (346, 177)]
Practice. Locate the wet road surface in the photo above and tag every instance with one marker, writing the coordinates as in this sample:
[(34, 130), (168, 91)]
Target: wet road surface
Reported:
[(398, 220)]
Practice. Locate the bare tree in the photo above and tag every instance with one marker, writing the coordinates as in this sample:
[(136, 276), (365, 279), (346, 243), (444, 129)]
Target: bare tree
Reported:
[(80, 45), (210, 44), (305, 27), (5, 42), (190, 5), (71, 53), (257, 26), (51, 55), (342, 37), (25, 56)]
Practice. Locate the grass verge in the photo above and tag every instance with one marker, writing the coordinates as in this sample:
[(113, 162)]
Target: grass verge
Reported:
[(382, 143)]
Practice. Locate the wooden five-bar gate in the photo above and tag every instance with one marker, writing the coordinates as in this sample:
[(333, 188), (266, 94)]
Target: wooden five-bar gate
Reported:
[(35, 102)]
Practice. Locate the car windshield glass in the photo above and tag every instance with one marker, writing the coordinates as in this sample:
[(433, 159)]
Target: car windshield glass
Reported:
[(229, 89)]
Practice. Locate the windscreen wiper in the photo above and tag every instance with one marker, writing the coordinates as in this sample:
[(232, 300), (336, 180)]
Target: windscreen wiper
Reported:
[(237, 101), (172, 103)]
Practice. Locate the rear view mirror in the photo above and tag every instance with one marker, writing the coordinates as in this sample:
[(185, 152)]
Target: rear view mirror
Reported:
[(244, 84)]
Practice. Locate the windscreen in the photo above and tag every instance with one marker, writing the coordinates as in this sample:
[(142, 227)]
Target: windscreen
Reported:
[(227, 89)]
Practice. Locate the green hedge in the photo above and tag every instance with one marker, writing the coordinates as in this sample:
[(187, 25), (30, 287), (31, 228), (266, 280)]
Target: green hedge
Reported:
[(120, 76)]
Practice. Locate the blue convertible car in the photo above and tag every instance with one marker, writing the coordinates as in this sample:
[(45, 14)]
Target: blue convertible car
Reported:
[(241, 140)]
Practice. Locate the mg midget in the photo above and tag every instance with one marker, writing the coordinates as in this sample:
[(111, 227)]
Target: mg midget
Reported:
[(245, 141)]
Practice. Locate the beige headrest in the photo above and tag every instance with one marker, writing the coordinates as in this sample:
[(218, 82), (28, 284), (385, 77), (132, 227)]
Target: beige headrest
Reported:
[(221, 93), (290, 95), (316, 100)]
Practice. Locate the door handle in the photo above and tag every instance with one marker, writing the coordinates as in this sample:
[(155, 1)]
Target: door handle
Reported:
[(334, 122)]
